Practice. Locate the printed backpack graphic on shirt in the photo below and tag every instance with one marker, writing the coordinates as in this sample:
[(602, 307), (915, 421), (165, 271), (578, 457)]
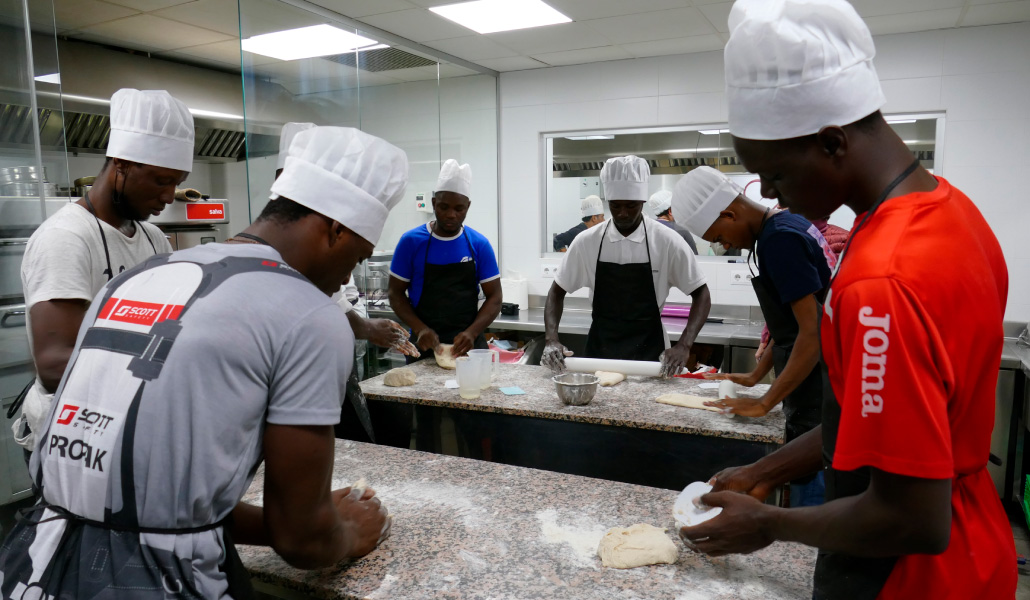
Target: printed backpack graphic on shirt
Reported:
[(125, 347)]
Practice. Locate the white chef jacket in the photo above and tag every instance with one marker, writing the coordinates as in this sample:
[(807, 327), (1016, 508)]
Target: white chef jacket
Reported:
[(672, 261)]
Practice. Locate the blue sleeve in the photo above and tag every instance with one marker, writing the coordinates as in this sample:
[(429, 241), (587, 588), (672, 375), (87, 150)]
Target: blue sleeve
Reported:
[(486, 261), (790, 265), (402, 264)]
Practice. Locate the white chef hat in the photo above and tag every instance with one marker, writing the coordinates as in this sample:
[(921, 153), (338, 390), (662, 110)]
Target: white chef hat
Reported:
[(290, 130), (346, 175), (699, 197), (660, 202), (796, 66), (625, 178), (455, 178), (151, 127), (591, 205)]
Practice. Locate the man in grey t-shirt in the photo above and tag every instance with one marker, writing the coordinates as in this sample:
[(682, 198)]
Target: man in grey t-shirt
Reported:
[(191, 367)]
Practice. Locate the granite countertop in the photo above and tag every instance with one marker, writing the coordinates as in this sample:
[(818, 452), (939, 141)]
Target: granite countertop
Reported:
[(471, 529), (628, 404), (577, 322)]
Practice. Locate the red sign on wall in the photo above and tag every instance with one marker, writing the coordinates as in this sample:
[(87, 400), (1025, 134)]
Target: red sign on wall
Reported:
[(205, 211)]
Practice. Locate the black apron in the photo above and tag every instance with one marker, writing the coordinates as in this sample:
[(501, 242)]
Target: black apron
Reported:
[(843, 576), (450, 297), (627, 322), (803, 406)]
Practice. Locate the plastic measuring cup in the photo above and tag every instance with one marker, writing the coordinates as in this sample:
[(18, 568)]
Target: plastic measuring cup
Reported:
[(488, 361), (469, 377)]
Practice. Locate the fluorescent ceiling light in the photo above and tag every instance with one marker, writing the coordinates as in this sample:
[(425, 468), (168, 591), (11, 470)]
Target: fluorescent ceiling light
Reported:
[(896, 121), (713, 131), (214, 114), (590, 137), (305, 42), (491, 16), (51, 78), (376, 47)]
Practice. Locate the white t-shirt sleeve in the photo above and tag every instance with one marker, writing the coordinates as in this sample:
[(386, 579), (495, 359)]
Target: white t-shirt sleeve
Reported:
[(684, 272), (578, 264), (56, 266), (310, 370)]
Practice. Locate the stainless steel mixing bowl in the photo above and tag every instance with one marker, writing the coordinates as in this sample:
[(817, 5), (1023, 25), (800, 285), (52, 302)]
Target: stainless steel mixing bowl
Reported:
[(576, 389)]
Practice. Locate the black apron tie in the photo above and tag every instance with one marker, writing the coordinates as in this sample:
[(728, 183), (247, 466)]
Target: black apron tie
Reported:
[(627, 322)]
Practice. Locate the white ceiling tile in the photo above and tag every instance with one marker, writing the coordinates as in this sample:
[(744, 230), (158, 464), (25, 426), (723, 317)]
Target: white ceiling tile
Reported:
[(686, 45), (149, 5), (73, 14), (448, 70), (718, 15), (362, 8), (585, 55), (551, 38), (514, 63), (418, 25), (201, 61), (218, 15), (582, 10), (226, 52), (429, 3), (259, 16), (920, 21), (646, 27), (149, 32), (473, 47), (874, 8), (994, 14), (705, 2)]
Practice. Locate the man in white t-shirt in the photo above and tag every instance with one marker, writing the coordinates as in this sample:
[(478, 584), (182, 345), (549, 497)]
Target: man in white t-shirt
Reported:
[(629, 264), (88, 242)]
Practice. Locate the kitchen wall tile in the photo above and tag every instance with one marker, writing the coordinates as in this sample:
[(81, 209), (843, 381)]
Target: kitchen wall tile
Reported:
[(912, 95), (691, 74), (976, 96), (986, 49), (692, 109), (985, 143), (910, 55)]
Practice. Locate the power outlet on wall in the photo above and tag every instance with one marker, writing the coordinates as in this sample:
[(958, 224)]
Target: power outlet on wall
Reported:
[(548, 271), (740, 277)]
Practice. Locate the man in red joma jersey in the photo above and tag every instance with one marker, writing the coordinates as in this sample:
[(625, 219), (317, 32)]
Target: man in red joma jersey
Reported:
[(911, 511)]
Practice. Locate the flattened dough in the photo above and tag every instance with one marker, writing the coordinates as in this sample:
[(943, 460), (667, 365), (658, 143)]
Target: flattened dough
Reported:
[(636, 546), (444, 358), (687, 401), (609, 378), (399, 377)]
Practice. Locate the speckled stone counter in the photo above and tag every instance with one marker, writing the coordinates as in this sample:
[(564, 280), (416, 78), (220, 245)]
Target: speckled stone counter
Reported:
[(629, 404), (471, 529)]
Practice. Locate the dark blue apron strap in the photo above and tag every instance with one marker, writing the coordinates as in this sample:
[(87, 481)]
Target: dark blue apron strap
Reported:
[(121, 341)]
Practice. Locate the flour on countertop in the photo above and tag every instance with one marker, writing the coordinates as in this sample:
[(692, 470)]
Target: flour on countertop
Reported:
[(459, 500), (581, 536)]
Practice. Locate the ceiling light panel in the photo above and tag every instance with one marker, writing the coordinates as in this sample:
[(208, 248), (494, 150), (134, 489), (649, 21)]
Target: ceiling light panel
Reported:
[(491, 16), (305, 42)]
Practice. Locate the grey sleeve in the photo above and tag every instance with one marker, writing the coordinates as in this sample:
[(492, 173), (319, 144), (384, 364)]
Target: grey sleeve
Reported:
[(310, 370)]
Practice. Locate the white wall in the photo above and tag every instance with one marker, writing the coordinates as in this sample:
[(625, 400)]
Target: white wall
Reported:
[(979, 76)]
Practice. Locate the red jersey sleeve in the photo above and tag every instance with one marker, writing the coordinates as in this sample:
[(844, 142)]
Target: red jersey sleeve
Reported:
[(894, 407)]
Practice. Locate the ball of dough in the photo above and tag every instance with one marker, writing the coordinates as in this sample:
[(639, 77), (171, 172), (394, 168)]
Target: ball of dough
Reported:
[(399, 377), (636, 546), (445, 358), (609, 379)]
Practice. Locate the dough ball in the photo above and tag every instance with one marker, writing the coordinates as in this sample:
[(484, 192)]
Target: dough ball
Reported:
[(687, 401), (445, 358), (609, 379), (636, 546), (399, 377)]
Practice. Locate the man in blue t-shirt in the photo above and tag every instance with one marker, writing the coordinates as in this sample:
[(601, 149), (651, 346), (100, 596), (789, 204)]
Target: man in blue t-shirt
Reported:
[(794, 265), (438, 269)]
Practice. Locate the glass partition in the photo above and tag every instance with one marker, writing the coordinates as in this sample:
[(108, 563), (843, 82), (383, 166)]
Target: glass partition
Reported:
[(575, 160), (33, 183), (431, 109)]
